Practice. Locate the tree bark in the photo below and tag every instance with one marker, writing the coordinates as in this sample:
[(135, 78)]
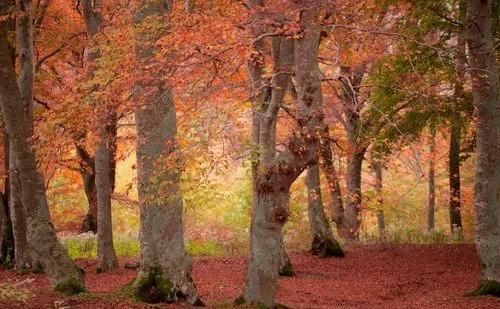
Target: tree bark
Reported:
[(337, 207), (431, 202), (380, 199), (485, 83), (103, 147), (322, 241), (276, 173), (63, 273), (105, 249), (7, 245), (87, 171), (19, 229), (454, 175), (455, 126), (165, 270), (352, 213), (351, 79)]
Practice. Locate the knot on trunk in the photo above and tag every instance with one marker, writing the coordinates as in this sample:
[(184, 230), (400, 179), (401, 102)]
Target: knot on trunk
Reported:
[(280, 214)]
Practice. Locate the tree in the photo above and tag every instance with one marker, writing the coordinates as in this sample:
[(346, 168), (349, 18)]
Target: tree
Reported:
[(431, 201), (380, 197), (165, 270), (103, 148), (486, 91), (456, 124), (328, 167), (65, 276), (7, 248), (353, 103), (276, 173), (322, 241)]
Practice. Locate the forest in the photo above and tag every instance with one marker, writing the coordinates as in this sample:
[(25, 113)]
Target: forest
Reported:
[(250, 154)]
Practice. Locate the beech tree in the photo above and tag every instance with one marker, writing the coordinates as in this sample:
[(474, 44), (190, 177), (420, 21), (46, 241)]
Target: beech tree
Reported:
[(276, 173), (322, 241), (165, 267), (14, 99), (431, 175), (103, 152), (486, 89)]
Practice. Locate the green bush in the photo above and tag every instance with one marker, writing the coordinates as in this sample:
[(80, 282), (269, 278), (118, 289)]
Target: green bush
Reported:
[(208, 247)]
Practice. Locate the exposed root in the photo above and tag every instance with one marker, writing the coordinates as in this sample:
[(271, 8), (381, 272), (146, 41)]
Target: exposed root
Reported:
[(486, 287)]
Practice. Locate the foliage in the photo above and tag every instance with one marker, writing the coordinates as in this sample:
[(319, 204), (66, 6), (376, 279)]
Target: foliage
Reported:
[(15, 291)]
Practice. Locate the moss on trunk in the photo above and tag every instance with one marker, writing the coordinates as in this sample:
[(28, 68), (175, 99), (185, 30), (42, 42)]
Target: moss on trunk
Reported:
[(153, 287), (486, 287), (70, 286), (287, 270), (326, 248)]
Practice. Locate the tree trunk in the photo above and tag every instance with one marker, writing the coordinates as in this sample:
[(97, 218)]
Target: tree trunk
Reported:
[(103, 167), (165, 270), (322, 241), (455, 125), (352, 212), (276, 173), (454, 175), (19, 228), (485, 83), (105, 249), (87, 171), (270, 213), (63, 273), (380, 199), (431, 203), (337, 207), (7, 247)]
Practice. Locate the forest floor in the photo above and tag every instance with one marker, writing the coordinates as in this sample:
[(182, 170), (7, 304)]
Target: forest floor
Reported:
[(376, 276)]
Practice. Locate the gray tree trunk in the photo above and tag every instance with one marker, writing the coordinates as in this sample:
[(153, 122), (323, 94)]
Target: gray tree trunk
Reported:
[(322, 241), (276, 173), (7, 241), (454, 176), (87, 171), (105, 250), (22, 257), (455, 125), (103, 154), (380, 199), (165, 270), (63, 273), (485, 83), (337, 207), (352, 212), (431, 202), (351, 79)]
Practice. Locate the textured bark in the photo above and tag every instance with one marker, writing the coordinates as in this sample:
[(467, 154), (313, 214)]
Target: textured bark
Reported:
[(64, 274), (103, 148), (322, 241), (337, 207), (105, 250), (352, 213), (380, 199), (276, 173), (19, 229), (454, 175), (431, 202), (3, 219), (455, 126), (165, 270), (351, 79), (7, 240), (485, 83), (87, 171)]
